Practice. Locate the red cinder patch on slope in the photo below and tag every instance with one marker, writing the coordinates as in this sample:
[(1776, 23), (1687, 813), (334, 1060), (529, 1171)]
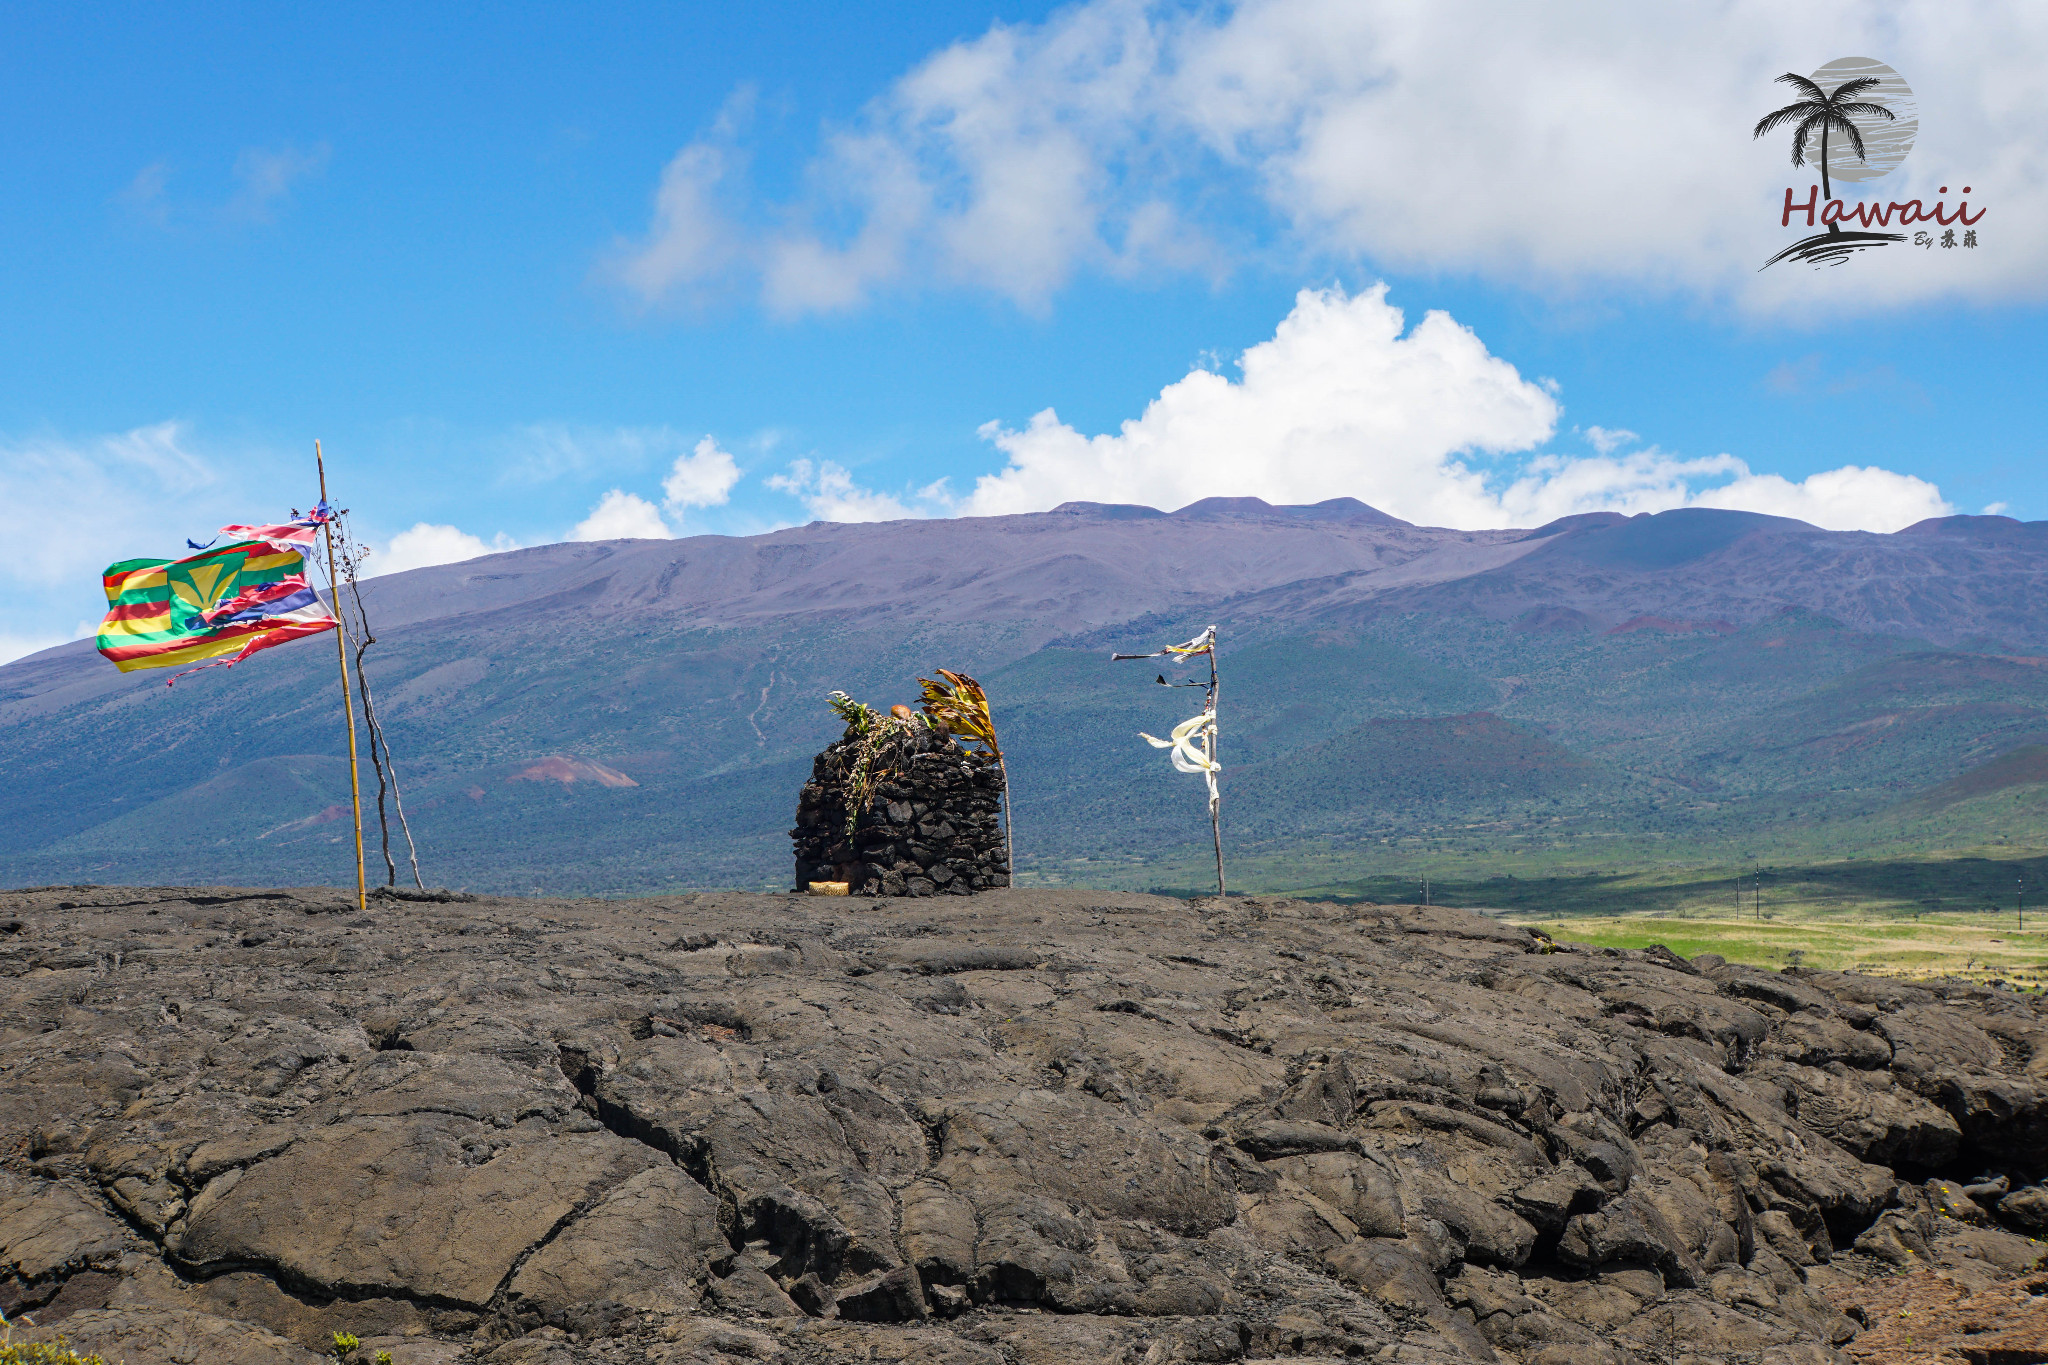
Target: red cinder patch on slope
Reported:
[(323, 816), (569, 771)]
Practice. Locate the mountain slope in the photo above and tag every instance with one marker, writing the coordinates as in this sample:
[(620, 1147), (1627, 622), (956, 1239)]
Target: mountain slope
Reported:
[(1692, 675)]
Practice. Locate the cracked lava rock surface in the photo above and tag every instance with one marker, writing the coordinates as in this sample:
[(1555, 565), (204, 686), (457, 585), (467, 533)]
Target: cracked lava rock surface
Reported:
[(1018, 1128)]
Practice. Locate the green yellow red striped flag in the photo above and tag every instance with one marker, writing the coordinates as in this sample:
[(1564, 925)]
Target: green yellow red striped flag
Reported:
[(233, 599)]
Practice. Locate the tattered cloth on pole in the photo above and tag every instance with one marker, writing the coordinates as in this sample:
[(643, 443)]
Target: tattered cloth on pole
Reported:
[(297, 534), (1187, 756), (233, 599), (1201, 644), (1194, 740), (1193, 744)]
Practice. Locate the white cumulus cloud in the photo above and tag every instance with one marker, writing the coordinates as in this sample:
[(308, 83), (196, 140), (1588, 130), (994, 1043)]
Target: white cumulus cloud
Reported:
[(1339, 403), (1852, 498), (547, 451), (620, 515), (1424, 423), (829, 493), (1547, 145), (427, 544), (701, 476)]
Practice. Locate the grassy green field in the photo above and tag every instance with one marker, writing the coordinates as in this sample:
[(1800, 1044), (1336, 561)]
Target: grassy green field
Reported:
[(1976, 885), (1954, 914), (1929, 945)]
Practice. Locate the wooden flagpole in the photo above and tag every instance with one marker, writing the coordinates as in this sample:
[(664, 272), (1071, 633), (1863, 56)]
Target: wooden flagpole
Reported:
[(1209, 745), (348, 706), (1209, 749)]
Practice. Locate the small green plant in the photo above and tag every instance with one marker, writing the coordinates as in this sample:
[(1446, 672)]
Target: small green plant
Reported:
[(382, 1358), (345, 1344), (868, 727), (57, 1352), (860, 718)]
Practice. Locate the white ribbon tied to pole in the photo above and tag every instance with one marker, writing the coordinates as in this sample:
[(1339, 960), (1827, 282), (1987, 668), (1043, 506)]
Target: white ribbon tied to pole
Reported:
[(1201, 644), (1189, 746), (1194, 740)]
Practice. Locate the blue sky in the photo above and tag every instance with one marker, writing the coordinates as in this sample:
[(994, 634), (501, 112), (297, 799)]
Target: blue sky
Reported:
[(513, 266)]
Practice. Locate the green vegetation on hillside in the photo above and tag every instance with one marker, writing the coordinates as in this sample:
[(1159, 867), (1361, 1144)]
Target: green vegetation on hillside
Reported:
[(1542, 769)]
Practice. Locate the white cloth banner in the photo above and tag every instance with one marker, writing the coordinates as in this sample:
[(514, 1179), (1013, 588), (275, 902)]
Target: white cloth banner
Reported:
[(1189, 748)]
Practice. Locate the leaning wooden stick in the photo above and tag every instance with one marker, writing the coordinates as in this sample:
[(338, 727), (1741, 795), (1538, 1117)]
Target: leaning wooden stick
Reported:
[(385, 766), (1215, 766), (348, 705)]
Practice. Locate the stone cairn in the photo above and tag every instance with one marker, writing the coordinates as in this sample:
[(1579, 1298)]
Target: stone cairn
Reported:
[(928, 825)]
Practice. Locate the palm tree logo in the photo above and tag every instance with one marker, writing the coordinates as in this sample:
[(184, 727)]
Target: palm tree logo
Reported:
[(1860, 116), (1824, 113)]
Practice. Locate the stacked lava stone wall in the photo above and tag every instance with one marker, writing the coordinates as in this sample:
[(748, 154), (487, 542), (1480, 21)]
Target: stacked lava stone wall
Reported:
[(930, 826)]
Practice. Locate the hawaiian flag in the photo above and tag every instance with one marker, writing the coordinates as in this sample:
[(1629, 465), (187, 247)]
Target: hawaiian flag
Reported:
[(231, 599)]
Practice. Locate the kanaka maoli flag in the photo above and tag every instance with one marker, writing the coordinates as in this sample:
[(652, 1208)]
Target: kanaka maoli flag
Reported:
[(232, 599)]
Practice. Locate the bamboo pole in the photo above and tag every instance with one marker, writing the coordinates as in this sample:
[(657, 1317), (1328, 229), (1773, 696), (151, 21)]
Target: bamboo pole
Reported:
[(348, 708)]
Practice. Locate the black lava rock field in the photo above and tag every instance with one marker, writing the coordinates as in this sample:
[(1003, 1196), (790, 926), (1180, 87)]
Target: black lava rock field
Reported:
[(1017, 1128)]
